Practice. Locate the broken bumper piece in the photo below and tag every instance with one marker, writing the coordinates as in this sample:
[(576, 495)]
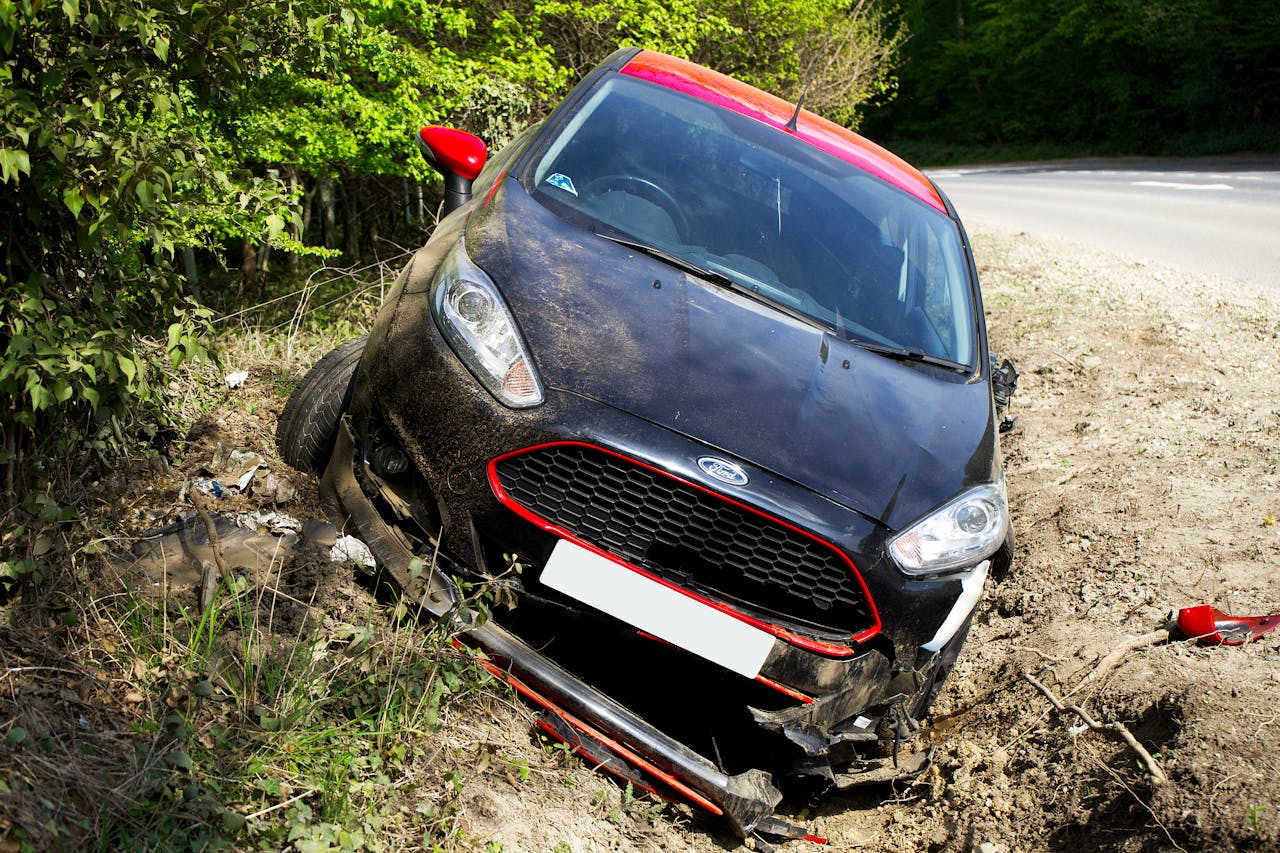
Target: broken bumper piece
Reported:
[(1211, 627)]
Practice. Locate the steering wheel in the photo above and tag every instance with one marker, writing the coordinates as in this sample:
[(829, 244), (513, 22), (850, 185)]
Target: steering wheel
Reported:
[(645, 189)]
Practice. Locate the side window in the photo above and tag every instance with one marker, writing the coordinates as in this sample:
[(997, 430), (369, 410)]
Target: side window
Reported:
[(938, 305), (944, 297)]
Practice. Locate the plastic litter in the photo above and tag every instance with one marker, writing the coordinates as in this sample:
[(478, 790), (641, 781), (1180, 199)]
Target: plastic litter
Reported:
[(210, 487), (277, 523), (246, 464), (1211, 627), (233, 469), (351, 549)]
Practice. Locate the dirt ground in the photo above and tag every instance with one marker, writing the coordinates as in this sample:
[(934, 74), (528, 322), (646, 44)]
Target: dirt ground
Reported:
[(1143, 473)]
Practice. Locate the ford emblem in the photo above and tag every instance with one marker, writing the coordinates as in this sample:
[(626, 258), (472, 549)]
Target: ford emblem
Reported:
[(723, 470)]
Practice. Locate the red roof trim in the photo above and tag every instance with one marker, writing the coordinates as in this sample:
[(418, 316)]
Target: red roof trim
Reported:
[(724, 91)]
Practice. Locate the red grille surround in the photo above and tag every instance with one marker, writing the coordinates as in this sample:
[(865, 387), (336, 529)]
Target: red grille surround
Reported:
[(720, 551)]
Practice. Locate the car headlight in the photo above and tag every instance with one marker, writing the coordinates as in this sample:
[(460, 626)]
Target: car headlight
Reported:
[(969, 529), (478, 326)]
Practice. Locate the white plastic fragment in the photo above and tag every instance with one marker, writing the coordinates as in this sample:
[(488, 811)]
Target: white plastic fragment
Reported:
[(243, 464), (970, 591), (351, 549), (269, 522), (236, 379)]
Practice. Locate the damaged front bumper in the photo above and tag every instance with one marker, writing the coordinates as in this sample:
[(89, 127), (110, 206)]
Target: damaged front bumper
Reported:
[(843, 716), (745, 799)]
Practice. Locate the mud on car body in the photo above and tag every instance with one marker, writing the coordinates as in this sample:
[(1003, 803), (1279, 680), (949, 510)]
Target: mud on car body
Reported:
[(699, 384)]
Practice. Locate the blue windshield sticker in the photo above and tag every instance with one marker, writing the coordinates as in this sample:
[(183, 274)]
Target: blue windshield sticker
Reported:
[(562, 182)]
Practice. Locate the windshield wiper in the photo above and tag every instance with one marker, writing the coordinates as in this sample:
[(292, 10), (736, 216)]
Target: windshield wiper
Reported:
[(668, 258), (712, 276), (906, 354)]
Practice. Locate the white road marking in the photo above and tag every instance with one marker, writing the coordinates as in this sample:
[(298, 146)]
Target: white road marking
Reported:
[(1176, 186)]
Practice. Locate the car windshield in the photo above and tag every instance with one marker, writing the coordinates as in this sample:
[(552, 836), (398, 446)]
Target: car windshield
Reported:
[(780, 218)]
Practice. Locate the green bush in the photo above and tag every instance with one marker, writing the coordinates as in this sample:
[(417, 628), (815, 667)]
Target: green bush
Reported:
[(112, 162)]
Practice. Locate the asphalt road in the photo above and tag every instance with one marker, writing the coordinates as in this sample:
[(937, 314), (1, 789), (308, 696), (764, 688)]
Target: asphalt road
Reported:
[(1219, 216)]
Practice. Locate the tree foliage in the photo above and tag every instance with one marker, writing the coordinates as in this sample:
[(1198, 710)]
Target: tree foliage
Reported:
[(112, 160), (840, 55), (1132, 73)]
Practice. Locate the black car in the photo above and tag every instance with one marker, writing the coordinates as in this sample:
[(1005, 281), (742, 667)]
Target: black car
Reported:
[(697, 383)]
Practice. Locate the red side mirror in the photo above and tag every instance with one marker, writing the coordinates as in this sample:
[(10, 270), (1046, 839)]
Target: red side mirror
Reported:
[(458, 156), (455, 151)]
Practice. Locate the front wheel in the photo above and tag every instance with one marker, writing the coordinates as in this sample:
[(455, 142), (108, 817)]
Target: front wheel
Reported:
[(309, 423)]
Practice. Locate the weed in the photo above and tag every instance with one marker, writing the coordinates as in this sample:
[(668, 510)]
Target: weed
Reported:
[(282, 385), (244, 734), (520, 768)]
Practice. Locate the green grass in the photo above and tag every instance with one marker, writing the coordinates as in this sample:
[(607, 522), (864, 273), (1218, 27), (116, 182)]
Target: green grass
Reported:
[(296, 711), (236, 733)]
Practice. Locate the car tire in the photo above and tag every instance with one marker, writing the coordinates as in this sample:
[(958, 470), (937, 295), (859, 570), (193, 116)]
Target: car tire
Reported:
[(309, 424)]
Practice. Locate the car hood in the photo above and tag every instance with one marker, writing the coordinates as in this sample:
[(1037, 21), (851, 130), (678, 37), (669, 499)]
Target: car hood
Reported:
[(888, 439)]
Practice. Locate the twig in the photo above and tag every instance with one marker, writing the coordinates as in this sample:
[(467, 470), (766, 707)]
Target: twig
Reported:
[(1043, 655), (1153, 768), (1112, 660), (220, 569), (1069, 360), (1263, 725), (1114, 775), (17, 669), (1222, 783), (287, 802)]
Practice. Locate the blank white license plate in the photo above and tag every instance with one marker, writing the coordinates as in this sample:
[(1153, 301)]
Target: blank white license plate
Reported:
[(657, 609)]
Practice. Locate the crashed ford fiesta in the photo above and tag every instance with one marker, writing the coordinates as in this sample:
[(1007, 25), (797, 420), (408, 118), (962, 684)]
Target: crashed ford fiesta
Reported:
[(697, 384)]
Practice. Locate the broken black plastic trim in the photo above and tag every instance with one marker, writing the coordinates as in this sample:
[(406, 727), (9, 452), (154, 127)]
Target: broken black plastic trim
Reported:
[(810, 726), (1004, 384)]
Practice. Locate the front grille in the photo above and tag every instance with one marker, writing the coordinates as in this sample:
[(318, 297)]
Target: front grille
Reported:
[(688, 536)]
